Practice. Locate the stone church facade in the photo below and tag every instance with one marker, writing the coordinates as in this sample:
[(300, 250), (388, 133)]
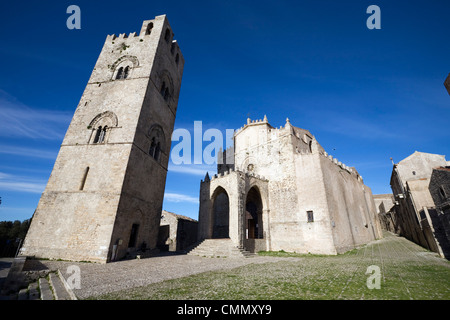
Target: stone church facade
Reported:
[(279, 190), (104, 196)]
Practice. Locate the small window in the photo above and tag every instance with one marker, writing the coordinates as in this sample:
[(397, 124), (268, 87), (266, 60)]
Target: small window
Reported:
[(97, 134), (83, 181), (167, 35), (133, 235), (119, 73), (177, 59), (165, 91), (310, 215), (100, 134), (152, 148), (414, 173), (126, 71), (149, 28), (172, 48)]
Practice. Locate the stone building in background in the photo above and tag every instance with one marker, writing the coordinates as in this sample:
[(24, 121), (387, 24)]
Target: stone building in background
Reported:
[(280, 190), (384, 204), (176, 232), (104, 197), (421, 187)]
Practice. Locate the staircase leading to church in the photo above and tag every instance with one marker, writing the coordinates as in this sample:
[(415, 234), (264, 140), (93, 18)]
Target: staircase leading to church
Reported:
[(219, 248)]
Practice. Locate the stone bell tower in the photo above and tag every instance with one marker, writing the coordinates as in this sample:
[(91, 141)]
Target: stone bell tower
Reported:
[(104, 196)]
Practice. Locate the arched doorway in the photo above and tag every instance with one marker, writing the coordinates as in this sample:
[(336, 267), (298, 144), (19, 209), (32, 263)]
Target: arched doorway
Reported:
[(220, 214), (253, 215)]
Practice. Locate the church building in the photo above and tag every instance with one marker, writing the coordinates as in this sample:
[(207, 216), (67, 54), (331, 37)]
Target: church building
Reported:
[(279, 190)]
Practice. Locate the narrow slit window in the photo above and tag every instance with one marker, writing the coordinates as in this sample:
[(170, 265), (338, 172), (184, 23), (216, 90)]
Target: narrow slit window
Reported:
[(83, 181), (310, 215), (167, 35)]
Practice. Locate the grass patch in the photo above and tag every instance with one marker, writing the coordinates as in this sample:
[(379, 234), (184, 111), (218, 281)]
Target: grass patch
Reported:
[(405, 273)]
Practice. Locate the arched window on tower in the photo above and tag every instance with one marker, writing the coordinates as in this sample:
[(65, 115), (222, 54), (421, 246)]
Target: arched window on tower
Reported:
[(152, 148), (126, 71), (149, 28), (97, 134), (101, 127), (100, 134), (101, 138), (157, 151), (119, 73), (156, 135), (167, 35), (165, 91)]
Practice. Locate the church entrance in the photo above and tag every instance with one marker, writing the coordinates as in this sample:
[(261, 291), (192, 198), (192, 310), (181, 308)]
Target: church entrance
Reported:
[(221, 214), (253, 215)]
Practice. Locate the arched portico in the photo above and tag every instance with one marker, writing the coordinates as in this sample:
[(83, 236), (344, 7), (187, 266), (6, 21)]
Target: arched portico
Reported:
[(220, 221)]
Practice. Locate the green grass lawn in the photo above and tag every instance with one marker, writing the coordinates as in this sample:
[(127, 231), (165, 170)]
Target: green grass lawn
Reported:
[(407, 271)]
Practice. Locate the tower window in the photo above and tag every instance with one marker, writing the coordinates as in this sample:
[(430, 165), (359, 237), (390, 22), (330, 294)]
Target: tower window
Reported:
[(310, 215), (172, 48), (156, 135), (165, 91), (155, 149), (123, 73), (167, 35), (119, 73), (149, 28), (83, 181), (177, 59), (133, 235), (100, 134), (126, 72)]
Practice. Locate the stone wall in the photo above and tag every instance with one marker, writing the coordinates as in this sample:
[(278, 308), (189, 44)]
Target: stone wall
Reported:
[(101, 189)]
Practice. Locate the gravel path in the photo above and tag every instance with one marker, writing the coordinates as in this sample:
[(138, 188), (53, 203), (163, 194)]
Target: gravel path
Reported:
[(98, 279), (407, 271)]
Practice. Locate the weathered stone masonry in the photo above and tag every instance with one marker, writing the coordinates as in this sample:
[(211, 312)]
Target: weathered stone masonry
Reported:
[(284, 192), (104, 196)]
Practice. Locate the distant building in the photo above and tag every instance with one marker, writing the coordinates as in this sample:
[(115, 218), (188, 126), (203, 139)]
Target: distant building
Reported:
[(384, 204), (415, 213), (176, 232)]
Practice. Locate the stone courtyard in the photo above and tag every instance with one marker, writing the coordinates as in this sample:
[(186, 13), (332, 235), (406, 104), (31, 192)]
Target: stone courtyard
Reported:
[(407, 271)]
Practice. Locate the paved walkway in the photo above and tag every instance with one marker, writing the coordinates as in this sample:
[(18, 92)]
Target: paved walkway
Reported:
[(389, 254), (98, 279)]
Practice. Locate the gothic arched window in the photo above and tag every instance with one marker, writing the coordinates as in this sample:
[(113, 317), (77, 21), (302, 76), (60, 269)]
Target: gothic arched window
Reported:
[(101, 126), (126, 71), (97, 134), (157, 140), (119, 73)]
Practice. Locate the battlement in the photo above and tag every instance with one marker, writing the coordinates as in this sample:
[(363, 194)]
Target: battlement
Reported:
[(149, 27), (350, 170), (151, 30), (264, 121), (230, 171)]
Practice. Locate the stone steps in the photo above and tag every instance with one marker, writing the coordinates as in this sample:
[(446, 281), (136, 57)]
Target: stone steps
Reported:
[(52, 287), (219, 248)]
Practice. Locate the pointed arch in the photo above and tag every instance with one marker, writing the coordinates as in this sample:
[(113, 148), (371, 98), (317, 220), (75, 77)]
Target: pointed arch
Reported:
[(220, 213)]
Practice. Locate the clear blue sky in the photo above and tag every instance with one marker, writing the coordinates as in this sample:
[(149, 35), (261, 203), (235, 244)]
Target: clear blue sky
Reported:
[(367, 95)]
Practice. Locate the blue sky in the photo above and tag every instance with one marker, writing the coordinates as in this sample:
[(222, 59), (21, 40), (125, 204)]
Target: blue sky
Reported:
[(367, 95)]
